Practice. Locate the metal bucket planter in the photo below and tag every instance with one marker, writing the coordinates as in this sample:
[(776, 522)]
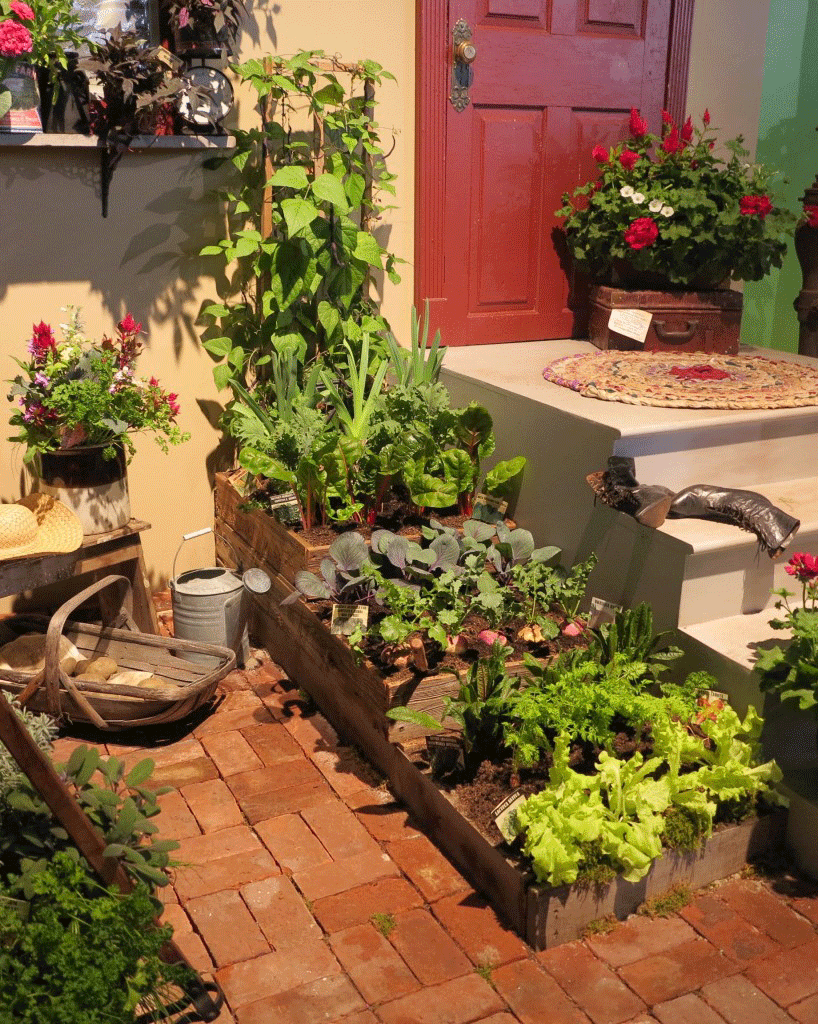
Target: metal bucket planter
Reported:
[(94, 488)]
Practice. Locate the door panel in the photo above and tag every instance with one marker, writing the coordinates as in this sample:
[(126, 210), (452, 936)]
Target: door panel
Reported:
[(548, 83)]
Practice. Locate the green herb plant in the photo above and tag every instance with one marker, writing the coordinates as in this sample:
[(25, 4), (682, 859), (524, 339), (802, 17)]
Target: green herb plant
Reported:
[(83, 954)]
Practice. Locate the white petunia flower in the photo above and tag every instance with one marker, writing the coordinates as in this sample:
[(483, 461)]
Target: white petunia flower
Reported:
[(626, 191), (666, 211), (637, 198), (655, 205)]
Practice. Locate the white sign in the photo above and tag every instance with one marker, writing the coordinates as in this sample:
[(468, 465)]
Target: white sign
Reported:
[(347, 617), (502, 814), (602, 611), (632, 323)]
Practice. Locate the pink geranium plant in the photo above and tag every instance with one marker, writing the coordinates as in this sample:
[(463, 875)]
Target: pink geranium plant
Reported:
[(667, 210), (792, 671), (73, 392)]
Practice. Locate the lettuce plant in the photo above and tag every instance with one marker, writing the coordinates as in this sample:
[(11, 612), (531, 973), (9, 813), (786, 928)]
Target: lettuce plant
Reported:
[(621, 810)]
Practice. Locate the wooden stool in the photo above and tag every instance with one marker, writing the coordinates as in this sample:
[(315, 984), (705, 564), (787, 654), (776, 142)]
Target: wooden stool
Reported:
[(119, 551)]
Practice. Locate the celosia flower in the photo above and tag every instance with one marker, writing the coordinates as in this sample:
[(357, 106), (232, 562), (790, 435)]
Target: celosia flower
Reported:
[(638, 125), (15, 39), (42, 342), (642, 233), (129, 325), (638, 198), (628, 158), (755, 206), (687, 130), (23, 11), (670, 144), (600, 154), (184, 17), (666, 118), (803, 567), (811, 213), (173, 405), (706, 117), (626, 191)]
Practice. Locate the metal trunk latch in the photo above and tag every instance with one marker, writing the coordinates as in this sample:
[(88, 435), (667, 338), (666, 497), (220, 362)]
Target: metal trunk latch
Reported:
[(463, 54)]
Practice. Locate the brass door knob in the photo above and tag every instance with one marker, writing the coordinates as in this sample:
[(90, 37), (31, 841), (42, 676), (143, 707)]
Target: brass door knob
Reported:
[(465, 51)]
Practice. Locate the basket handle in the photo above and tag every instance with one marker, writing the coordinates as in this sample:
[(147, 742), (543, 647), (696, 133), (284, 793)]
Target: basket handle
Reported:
[(57, 624)]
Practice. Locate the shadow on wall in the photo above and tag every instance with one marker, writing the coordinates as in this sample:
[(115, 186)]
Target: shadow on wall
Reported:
[(791, 145)]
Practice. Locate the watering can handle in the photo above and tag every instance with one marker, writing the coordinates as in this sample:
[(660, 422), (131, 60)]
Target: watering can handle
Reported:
[(188, 536)]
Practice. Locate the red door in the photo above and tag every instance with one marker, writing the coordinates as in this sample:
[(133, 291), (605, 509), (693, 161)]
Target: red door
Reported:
[(550, 79)]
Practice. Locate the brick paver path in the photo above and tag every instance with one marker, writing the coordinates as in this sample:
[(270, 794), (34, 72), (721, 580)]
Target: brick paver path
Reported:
[(313, 897)]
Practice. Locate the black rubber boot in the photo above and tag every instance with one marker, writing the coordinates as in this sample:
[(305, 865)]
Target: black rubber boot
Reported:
[(618, 487), (746, 509)]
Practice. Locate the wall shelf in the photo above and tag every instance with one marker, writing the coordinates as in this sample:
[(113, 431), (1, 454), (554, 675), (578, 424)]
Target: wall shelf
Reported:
[(74, 141)]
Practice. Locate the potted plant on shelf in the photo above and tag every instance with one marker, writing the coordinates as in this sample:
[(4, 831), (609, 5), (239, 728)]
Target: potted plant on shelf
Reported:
[(202, 28), (665, 226), (79, 405)]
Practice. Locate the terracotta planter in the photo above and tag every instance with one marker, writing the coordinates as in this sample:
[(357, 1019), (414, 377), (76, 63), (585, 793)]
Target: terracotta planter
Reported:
[(95, 489), (681, 321)]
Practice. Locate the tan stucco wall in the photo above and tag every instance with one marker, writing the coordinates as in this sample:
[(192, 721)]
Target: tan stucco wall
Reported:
[(56, 249)]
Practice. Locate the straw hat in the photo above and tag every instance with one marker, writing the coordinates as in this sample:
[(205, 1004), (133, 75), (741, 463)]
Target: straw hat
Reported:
[(37, 525)]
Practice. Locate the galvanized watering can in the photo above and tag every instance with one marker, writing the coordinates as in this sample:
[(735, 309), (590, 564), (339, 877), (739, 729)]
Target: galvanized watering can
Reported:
[(212, 604)]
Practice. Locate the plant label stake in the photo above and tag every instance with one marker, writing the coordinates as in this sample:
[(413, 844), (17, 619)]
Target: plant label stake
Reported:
[(207, 998)]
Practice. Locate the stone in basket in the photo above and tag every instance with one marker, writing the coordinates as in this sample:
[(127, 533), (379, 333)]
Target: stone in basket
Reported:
[(111, 676)]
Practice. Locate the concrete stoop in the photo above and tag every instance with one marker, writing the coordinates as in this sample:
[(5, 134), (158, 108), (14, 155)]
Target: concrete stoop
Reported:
[(708, 579)]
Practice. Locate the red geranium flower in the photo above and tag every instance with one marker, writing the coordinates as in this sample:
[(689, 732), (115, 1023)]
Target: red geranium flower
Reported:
[(638, 125), (15, 39), (628, 158), (600, 154), (23, 11), (642, 233), (811, 213), (758, 206), (803, 567)]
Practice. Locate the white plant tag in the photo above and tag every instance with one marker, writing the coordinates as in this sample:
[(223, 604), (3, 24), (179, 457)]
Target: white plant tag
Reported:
[(488, 508), (446, 753), (711, 696), (502, 814), (602, 611), (347, 617), (632, 323)]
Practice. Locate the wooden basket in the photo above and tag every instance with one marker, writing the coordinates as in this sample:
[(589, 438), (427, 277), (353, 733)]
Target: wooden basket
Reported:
[(113, 707)]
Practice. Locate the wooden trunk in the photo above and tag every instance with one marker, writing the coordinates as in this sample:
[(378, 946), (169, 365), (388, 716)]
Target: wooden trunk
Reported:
[(354, 698), (706, 321)]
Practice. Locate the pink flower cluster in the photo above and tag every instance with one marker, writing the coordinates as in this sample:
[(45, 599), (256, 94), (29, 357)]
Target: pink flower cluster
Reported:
[(15, 39), (803, 567)]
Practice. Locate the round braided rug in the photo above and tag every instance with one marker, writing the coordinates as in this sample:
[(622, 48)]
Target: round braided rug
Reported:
[(687, 380)]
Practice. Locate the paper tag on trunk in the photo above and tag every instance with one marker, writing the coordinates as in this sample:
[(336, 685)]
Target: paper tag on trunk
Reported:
[(632, 323), (346, 618), (602, 611), (502, 814)]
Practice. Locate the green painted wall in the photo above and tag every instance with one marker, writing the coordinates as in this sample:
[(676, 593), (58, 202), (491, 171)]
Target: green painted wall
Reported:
[(787, 140)]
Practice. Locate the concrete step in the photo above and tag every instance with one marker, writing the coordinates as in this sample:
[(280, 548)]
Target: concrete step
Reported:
[(694, 570), (727, 648)]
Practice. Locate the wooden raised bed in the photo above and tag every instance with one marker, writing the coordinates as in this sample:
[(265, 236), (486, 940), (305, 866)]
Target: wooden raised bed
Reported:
[(354, 698), (284, 550)]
